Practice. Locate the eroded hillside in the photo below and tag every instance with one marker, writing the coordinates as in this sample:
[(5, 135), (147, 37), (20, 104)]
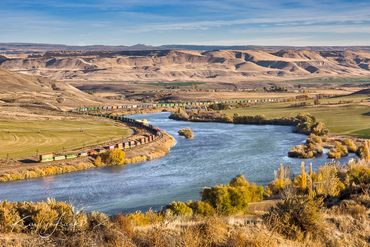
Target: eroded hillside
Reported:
[(167, 65)]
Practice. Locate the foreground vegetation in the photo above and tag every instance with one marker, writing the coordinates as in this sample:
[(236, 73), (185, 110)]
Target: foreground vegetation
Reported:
[(22, 139), (309, 208)]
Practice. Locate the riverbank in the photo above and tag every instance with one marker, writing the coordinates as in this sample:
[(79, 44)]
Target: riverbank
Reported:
[(302, 123), (154, 150)]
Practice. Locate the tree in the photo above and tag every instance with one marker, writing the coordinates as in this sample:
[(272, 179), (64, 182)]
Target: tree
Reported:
[(98, 161), (303, 184), (116, 157)]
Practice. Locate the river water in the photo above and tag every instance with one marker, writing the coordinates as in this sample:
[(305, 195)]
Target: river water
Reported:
[(218, 153)]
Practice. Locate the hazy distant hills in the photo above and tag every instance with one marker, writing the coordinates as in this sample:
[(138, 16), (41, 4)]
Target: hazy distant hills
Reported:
[(192, 65), (32, 47)]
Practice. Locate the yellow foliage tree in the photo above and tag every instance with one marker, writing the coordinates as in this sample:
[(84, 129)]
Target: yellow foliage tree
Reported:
[(303, 184), (116, 157), (98, 161), (282, 179)]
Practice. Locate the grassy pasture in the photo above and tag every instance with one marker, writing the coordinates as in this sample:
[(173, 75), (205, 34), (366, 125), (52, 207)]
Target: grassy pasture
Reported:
[(22, 138), (349, 119)]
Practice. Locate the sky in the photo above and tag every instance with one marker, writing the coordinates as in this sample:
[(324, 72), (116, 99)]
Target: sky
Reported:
[(199, 22)]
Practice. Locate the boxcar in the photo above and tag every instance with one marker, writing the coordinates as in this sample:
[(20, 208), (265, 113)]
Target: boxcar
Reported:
[(46, 157), (60, 157), (83, 154), (71, 156)]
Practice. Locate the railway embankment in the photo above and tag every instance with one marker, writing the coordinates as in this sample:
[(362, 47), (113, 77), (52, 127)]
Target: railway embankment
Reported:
[(154, 150)]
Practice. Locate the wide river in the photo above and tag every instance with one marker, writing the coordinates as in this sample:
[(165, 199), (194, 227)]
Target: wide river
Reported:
[(218, 153)]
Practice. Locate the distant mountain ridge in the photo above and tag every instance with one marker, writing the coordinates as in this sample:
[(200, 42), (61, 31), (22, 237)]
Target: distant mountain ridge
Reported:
[(29, 47)]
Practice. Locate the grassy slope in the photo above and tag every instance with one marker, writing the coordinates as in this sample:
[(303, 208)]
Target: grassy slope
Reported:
[(22, 138), (341, 119)]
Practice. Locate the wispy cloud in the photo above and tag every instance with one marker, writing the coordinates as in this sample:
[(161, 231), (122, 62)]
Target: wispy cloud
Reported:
[(179, 21)]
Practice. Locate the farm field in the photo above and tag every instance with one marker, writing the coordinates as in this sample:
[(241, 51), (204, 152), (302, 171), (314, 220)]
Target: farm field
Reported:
[(175, 84), (23, 138), (348, 119)]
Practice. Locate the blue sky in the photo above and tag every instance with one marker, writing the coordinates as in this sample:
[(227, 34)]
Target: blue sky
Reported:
[(205, 22)]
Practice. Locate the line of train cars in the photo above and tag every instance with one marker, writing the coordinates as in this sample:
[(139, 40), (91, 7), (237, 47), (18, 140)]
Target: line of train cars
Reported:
[(168, 105), (153, 134)]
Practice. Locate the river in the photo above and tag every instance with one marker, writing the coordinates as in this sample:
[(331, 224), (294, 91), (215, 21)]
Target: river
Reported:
[(218, 153)]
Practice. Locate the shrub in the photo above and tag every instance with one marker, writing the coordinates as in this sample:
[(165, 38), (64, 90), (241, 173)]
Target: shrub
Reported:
[(350, 144), (213, 231), (301, 180), (49, 217), (187, 133), (282, 179), (238, 181), (124, 224), (149, 217), (115, 157), (180, 114), (98, 161), (319, 128), (295, 218), (233, 198), (10, 220), (327, 181), (338, 151), (179, 209), (98, 220), (352, 208), (364, 151), (202, 208), (219, 106), (307, 151), (358, 173), (307, 124), (314, 139), (304, 122)]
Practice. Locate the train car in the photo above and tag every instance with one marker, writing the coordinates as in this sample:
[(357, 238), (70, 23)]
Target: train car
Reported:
[(132, 143), (46, 157), (60, 157), (101, 150), (83, 154), (71, 156), (93, 152)]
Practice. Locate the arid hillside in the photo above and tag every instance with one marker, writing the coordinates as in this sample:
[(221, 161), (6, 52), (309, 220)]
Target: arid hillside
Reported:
[(19, 90), (168, 65)]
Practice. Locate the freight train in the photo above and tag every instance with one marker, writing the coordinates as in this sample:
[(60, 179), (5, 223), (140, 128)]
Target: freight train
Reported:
[(171, 105), (153, 134)]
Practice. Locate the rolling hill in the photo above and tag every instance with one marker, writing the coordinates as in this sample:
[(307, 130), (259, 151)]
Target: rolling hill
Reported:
[(191, 65), (34, 91)]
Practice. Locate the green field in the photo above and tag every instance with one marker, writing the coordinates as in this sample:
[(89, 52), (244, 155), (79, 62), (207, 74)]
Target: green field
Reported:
[(22, 139), (351, 119), (336, 80), (174, 84)]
